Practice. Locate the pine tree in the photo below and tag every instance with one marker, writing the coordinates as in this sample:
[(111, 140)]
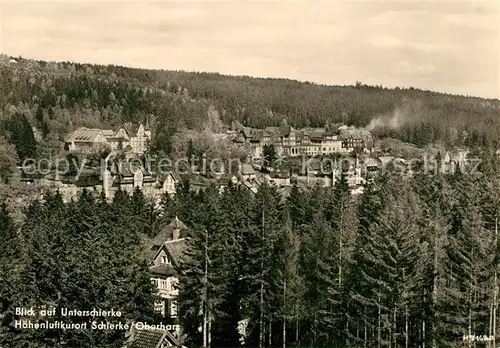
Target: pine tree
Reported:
[(22, 136), (10, 252), (260, 269), (201, 291), (290, 282), (364, 306), (296, 203)]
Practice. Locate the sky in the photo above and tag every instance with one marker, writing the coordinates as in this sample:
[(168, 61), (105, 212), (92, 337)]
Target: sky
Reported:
[(443, 46)]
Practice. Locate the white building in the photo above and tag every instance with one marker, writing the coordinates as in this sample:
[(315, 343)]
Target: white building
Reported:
[(131, 138)]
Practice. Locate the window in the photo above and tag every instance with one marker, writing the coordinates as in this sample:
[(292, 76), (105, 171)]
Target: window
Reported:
[(164, 284), (160, 307), (165, 260), (173, 308)]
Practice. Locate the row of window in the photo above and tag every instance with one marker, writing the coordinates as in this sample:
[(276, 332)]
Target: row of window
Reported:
[(163, 284), (314, 151), (167, 307)]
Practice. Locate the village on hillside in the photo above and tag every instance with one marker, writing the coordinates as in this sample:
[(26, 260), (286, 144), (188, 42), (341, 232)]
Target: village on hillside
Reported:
[(282, 156)]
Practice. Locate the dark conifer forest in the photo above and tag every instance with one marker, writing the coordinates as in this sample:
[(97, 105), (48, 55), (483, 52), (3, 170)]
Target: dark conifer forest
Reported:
[(412, 262)]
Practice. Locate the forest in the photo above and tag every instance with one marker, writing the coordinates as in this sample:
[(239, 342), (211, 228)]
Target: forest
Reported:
[(81, 255), (321, 268), (412, 262), (57, 97)]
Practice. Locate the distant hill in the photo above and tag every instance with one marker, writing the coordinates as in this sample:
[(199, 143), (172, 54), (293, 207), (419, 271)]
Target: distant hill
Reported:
[(57, 97)]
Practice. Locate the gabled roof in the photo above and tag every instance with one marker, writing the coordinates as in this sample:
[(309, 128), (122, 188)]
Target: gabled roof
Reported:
[(279, 175), (285, 191), (153, 339), (113, 138), (271, 131), (126, 170), (252, 134), (174, 174), (123, 170), (164, 237), (131, 128), (176, 249), (84, 135)]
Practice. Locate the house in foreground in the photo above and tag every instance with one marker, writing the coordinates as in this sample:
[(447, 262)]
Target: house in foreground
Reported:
[(151, 339), (164, 254)]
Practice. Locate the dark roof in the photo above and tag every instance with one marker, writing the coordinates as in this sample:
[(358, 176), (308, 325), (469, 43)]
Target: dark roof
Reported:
[(250, 186), (153, 339), (176, 223), (131, 128), (31, 173), (148, 339), (164, 270), (285, 192), (176, 249), (123, 169), (166, 233), (252, 134), (127, 169), (153, 246)]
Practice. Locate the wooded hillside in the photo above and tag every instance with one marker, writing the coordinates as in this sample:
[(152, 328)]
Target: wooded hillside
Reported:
[(57, 97)]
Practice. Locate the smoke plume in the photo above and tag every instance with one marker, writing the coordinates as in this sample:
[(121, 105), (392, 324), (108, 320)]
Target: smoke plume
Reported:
[(408, 112)]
